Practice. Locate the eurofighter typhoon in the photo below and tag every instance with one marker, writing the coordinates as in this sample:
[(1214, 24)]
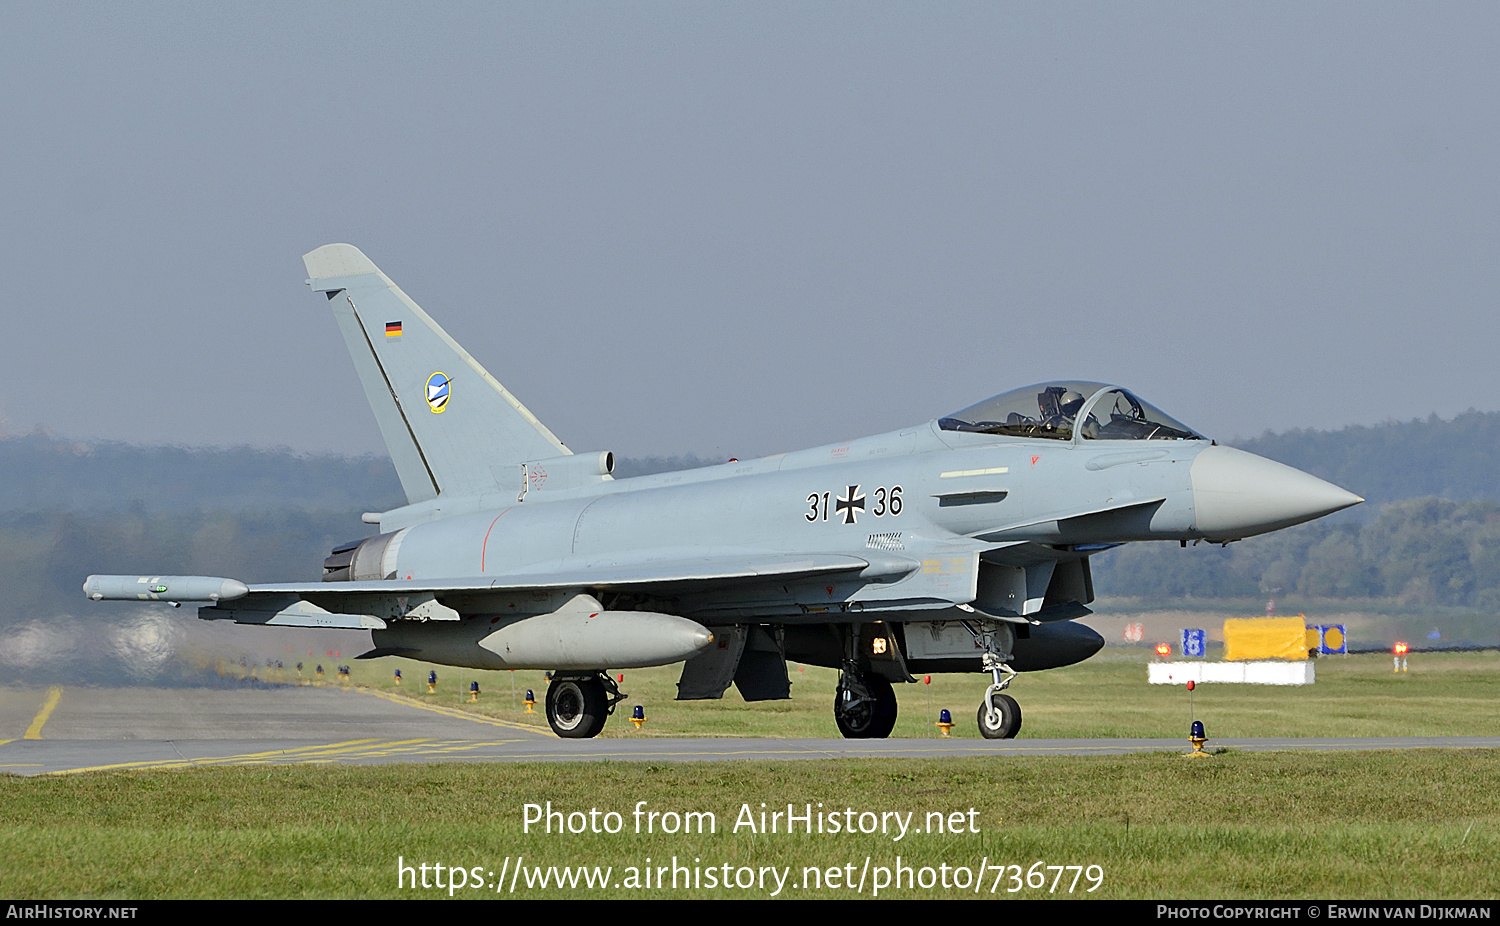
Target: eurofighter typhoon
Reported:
[(959, 545)]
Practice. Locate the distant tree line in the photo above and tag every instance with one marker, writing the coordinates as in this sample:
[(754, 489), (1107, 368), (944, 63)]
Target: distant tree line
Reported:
[(254, 515), (42, 472), (44, 555), (1421, 551), (1397, 460), (1429, 534)]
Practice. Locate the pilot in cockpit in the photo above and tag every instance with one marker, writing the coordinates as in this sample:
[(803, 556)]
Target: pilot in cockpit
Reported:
[(1070, 403), (1058, 407), (1052, 411)]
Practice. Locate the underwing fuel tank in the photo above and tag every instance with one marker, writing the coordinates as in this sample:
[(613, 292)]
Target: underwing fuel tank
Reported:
[(569, 638)]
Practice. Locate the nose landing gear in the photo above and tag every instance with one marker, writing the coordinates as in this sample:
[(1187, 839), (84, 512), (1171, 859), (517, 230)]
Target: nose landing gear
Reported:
[(999, 715)]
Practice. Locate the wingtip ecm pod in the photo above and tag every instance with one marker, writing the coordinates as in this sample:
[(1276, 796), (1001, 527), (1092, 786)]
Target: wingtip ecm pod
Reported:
[(163, 588)]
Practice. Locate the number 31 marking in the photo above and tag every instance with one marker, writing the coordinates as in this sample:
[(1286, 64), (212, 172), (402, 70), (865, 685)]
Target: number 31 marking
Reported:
[(887, 502)]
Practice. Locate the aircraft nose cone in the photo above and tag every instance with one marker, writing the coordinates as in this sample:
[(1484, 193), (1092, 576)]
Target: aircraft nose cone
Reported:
[(1238, 494)]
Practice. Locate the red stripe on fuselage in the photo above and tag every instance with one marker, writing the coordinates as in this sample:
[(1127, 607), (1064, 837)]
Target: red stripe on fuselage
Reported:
[(485, 545)]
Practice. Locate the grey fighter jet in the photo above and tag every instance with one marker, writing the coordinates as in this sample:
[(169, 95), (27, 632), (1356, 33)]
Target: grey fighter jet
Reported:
[(958, 545)]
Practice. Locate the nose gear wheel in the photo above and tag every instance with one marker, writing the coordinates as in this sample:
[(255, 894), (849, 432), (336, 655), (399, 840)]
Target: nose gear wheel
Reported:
[(999, 715)]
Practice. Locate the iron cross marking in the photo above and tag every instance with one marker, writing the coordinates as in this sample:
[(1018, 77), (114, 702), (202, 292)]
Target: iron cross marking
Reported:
[(848, 504)]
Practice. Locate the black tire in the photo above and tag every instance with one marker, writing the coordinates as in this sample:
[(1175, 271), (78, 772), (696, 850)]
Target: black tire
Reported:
[(872, 721), (885, 708), (577, 707), (1010, 719)]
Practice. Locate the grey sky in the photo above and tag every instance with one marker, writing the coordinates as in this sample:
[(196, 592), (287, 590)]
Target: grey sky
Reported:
[(739, 229)]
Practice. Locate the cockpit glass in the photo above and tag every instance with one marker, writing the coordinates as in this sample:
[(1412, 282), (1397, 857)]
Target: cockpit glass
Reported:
[(1046, 410), (1050, 411), (1118, 415)]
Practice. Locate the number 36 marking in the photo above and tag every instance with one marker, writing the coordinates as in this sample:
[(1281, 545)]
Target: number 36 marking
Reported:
[(883, 502)]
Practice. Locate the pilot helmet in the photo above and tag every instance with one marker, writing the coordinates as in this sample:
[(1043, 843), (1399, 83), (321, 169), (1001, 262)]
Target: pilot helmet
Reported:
[(1070, 403)]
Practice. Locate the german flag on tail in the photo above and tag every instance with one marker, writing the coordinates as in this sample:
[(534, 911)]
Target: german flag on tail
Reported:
[(393, 329)]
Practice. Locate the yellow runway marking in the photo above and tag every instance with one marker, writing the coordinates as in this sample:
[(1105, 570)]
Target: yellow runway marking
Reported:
[(454, 712), (34, 732), (330, 754), (917, 751), (288, 754)]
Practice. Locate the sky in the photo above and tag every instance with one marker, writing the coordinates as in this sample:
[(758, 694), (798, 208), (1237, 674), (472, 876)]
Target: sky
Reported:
[(738, 229)]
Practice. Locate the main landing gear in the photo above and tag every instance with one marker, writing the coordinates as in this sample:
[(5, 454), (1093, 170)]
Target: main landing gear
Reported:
[(864, 706), (578, 704)]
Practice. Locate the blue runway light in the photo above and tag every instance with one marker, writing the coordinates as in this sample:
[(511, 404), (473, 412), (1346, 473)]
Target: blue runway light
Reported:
[(1198, 739)]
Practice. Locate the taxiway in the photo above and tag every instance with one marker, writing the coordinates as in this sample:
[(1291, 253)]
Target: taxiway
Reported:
[(76, 730)]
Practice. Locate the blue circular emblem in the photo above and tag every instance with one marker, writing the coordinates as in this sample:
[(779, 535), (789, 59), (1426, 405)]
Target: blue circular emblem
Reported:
[(437, 392)]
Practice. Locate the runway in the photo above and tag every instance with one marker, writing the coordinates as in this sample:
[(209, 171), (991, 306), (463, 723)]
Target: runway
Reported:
[(78, 730)]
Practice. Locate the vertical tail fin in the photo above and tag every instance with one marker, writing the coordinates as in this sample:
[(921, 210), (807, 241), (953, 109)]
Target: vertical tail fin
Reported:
[(449, 425)]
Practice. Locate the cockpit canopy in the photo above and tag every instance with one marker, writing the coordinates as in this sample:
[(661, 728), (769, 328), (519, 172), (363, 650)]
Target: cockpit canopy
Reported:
[(1052, 411)]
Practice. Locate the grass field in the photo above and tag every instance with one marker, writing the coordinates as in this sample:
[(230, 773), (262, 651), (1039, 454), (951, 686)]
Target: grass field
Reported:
[(1442, 694), (1413, 824), (1418, 825)]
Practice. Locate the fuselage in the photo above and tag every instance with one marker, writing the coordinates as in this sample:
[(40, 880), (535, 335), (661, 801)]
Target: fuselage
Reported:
[(895, 491)]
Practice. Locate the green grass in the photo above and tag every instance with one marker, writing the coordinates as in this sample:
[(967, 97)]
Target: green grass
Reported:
[(1310, 825), (1410, 824), (1443, 694)]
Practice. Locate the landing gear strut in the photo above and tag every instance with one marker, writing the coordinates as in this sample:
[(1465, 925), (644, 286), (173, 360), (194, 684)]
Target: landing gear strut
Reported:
[(579, 704), (864, 706), (999, 715)]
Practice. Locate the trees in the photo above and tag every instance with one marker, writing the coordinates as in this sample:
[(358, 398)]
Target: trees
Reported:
[(1420, 551)]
